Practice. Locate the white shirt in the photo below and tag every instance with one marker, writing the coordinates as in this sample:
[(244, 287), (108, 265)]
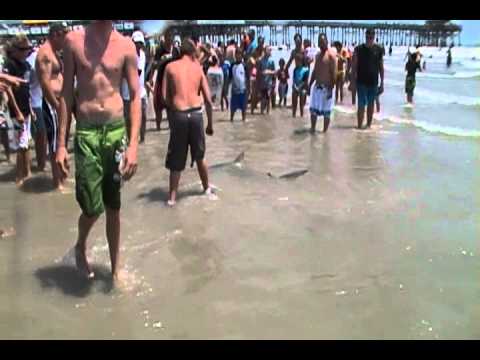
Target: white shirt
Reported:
[(238, 79), (125, 92), (36, 94)]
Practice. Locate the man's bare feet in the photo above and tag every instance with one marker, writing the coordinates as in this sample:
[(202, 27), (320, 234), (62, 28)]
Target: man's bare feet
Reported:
[(19, 182), (7, 232), (171, 203), (82, 263), (123, 280)]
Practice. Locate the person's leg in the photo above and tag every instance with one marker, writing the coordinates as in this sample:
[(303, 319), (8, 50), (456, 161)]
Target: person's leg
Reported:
[(303, 100), (244, 115), (269, 99), (337, 90), (174, 181), (177, 151), (377, 103), (341, 90), (294, 103), (85, 224), (58, 182), (203, 173), (20, 176), (5, 143), (253, 102), (273, 98), (313, 122), (354, 98), (370, 108), (113, 238), (27, 164), (40, 139), (41, 149), (326, 123), (143, 126), (231, 116), (360, 115), (263, 100), (362, 102)]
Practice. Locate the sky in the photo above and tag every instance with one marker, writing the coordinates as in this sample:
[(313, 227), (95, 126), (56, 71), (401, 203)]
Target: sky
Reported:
[(470, 34)]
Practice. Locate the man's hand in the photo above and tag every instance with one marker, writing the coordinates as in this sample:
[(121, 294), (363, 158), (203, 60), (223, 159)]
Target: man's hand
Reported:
[(209, 130), (62, 161), (10, 80), (329, 93), (380, 89), (20, 118), (129, 162)]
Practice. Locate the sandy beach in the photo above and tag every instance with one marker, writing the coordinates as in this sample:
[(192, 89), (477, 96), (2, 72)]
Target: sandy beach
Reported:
[(378, 240)]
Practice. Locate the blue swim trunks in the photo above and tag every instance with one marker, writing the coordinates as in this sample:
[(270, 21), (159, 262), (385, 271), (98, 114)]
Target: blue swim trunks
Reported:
[(238, 102), (366, 95)]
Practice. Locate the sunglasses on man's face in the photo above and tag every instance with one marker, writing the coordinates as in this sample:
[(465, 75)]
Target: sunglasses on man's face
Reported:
[(23, 48)]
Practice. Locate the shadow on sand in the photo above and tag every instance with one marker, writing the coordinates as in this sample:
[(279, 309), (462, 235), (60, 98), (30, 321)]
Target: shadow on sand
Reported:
[(38, 185), (8, 176), (67, 279)]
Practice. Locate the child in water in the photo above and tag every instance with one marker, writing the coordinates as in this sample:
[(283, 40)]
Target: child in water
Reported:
[(300, 84), (282, 76)]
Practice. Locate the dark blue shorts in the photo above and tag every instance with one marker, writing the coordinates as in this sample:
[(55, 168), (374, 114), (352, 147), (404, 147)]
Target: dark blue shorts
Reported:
[(39, 124), (366, 95), (238, 102)]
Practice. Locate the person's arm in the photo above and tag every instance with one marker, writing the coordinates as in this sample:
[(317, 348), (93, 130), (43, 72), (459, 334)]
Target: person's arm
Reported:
[(207, 98), (381, 75), (43, 67), (305, 84), (9, 80), (354, 73), (289, 62), (333, 74), (13, 103), (165, 86), (314, 75), (130, 69), (65, 106)]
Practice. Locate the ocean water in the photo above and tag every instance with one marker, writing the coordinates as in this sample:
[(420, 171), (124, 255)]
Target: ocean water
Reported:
[(446, 100)]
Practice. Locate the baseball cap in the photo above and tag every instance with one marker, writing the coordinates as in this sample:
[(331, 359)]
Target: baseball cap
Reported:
[(138, 37)]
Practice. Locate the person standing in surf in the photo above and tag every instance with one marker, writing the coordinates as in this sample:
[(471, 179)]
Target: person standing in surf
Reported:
[(99, 57), (324, 75), (411, 68), (367, 65), (183, 88)]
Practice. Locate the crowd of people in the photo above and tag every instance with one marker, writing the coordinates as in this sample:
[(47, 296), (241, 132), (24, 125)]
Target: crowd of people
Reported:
[(103, 80)]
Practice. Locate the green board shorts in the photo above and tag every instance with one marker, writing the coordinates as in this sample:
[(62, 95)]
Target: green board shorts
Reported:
[(96, 164)]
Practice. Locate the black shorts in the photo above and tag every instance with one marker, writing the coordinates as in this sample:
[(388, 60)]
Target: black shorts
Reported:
[(186, 129), (50, 117)]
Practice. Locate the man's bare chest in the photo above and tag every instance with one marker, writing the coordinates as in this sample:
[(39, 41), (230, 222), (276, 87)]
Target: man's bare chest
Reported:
[(109, 62)]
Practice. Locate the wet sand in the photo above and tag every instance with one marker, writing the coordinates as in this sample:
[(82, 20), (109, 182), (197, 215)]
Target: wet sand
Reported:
[(378, 240)]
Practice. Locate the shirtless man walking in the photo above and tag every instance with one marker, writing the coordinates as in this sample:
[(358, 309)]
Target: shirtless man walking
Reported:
[(184, 81), (49, 69), (99, 57), (324, 75)]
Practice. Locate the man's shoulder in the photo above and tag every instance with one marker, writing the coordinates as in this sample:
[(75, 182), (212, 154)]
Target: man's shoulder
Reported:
[(44, 53), (73, 37)]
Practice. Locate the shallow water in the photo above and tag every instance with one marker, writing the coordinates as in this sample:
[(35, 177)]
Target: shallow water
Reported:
[(377, 240)]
